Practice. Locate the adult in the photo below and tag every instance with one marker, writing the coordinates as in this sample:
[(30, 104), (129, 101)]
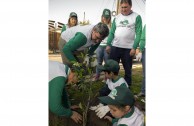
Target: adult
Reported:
[(101, 53), (72, 21), (59, 104), (141, 57), (81, 39), (124, 37)]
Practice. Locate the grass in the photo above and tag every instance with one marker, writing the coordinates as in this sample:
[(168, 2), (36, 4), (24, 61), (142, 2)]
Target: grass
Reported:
[(136, 80)]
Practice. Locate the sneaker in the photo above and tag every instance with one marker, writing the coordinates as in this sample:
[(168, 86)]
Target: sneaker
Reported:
[(141, 94)]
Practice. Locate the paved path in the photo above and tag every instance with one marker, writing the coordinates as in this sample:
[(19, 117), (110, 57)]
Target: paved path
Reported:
[(57, 57)]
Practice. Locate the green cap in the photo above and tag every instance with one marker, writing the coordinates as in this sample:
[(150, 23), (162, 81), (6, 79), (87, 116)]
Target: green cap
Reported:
[(119, 96), (73, 14), (110, 65), (106, 13)]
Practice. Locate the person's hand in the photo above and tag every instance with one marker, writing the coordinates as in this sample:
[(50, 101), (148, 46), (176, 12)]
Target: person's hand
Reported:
[(96, 107), (101, 111), (108, 49), (74, 107), (108, 118), (86, 60), (132, 52), (139, 56), (76, 117)]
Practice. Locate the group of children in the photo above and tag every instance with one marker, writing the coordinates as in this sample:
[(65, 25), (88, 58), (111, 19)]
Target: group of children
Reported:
[(117, 98)]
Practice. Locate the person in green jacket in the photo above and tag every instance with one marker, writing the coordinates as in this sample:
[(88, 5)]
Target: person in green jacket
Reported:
[(81, 39), (72, 21), (59, 104), (141, 56)]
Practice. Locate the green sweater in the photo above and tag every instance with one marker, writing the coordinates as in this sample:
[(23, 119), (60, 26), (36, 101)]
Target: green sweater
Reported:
[(125, 31), (78, 38), (65, 26), (143, 39), (58, 98)]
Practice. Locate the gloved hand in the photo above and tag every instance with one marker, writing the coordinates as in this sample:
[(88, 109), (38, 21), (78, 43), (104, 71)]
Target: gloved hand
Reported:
[(96, 107), (101, 111), (93, 61), (86, 60), (139, 56), (90, 61)]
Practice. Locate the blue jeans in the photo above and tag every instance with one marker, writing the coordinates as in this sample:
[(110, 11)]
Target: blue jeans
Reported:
[(143, 60), (101, 55), (122, 54)]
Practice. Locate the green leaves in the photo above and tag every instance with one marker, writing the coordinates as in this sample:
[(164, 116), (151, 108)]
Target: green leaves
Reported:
[(84, 74), (80, 105)]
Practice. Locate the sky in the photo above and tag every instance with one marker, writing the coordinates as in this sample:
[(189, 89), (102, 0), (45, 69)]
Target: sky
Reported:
[(59, 10)]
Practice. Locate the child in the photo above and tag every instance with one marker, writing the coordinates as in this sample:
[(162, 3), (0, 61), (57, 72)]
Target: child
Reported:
[(111, 69), (121, 104)]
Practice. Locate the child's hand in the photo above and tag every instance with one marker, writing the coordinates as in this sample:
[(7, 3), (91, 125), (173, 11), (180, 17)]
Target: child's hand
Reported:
[(101, 111), (96, 107), (74, 107), (108, 118)]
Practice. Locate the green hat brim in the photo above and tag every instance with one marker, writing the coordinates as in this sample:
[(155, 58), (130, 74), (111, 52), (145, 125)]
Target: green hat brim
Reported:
[(108, 100), (102, 68), (106, 16)]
